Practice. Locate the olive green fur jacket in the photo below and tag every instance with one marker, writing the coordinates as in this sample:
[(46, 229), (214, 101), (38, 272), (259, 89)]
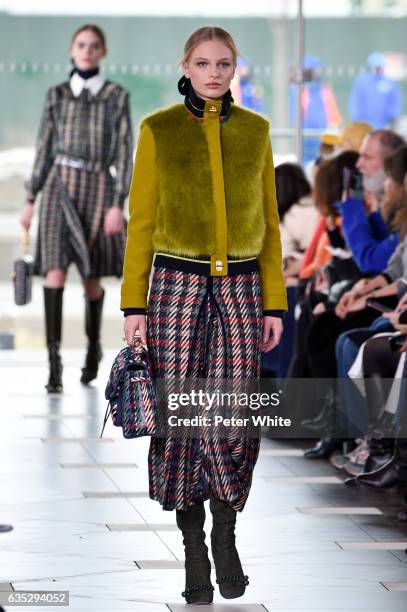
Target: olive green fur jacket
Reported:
[(203, 189)]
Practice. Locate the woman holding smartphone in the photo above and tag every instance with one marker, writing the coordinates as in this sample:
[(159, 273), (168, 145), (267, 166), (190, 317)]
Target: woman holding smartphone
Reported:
[(202, 198), (85, 131)]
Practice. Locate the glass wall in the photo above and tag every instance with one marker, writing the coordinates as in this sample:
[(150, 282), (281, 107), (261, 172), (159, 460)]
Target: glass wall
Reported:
[(144, 51)]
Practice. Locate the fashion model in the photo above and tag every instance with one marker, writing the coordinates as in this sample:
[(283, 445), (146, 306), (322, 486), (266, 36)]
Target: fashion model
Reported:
[(85, 132), (203, 205)]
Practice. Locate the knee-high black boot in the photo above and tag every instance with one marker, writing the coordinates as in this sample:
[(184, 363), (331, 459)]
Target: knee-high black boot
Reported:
[(377, 392), (93, 322), (198, 586), (382, 428), (53, 329), (229, 572)]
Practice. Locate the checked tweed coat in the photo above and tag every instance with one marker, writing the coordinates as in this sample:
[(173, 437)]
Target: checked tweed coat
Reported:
[(97, 129)]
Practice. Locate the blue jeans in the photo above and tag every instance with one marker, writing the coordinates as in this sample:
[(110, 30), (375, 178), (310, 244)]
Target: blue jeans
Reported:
[(353, 416)]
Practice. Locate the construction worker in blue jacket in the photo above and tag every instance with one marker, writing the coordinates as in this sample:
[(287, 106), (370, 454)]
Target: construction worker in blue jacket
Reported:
[(375, 98)]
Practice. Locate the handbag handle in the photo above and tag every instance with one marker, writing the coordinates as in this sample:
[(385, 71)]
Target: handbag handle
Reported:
[(138, 346), (25, 242)]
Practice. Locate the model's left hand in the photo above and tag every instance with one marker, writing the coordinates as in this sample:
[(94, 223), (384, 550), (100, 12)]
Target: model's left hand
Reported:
[(272, 330), (114, 221)]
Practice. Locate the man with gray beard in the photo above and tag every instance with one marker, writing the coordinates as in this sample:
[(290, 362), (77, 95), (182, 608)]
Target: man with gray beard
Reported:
[(366, 223)]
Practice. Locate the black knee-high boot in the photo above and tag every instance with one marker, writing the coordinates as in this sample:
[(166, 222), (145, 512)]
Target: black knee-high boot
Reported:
[(93, 323), (53, 329), (198, 586), (229, 573)]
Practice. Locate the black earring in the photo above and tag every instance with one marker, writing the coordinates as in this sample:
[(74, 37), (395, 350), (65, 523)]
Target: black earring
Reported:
[(184, 85)]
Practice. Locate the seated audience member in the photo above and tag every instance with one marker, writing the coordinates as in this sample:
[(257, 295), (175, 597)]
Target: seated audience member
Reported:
[(329, 146), (298, 217), (315, 285), (366, 221), (391, 280), (327, 191), (344, 327), (351, 137), (386, 465)]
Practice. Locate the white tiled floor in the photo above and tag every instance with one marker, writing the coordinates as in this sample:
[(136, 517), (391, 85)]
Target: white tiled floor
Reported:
[(300, 553)]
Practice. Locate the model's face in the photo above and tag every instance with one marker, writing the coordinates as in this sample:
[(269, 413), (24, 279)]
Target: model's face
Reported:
[(87, 50), (211, 69), (371, 157)]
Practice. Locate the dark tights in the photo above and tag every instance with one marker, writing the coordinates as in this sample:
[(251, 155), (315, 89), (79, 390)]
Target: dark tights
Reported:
[(379, 359), (379, 367)]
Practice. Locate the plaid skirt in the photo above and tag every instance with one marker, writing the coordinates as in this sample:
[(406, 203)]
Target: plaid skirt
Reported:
[(203, 327), (73, 206)]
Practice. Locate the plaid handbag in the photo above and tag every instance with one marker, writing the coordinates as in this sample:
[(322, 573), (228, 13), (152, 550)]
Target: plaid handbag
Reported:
[(22, 274), (131, 396)]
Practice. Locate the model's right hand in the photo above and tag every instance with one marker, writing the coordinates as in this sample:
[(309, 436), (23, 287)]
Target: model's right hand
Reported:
[(133, 323), (26, 216)]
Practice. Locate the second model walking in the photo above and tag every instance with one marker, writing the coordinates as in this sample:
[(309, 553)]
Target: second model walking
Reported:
[(85, 130)]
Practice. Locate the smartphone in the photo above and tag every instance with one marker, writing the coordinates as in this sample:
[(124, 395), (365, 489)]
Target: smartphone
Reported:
[(379, 306), (355, 189), (352, 183)]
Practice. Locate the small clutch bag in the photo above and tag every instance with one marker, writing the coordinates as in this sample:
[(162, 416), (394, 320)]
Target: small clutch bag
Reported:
[(131, 395), (23, 273)]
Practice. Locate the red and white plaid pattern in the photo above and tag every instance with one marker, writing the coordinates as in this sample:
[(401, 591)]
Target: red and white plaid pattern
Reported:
[(203, 327)]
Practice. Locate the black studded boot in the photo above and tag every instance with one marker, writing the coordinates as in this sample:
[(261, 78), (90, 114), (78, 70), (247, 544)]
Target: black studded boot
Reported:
[(53, 329), (198, 586), (93, 322), (229, 572)]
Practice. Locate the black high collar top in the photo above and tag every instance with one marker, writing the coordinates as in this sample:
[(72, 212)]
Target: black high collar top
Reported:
[(196, 105)]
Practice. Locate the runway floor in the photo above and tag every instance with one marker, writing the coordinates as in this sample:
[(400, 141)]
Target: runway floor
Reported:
[(83, 521)]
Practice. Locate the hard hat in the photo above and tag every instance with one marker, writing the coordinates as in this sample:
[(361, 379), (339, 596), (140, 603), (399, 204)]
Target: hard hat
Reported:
[(376, 60)]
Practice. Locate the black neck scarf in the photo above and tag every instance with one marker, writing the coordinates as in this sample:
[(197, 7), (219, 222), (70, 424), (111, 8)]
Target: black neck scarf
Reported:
[(84, 74), (196, 105)]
